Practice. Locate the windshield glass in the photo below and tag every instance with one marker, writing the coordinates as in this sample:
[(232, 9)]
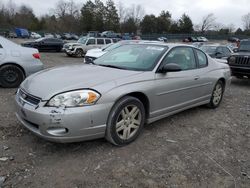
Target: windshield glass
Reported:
[(209, 49), (244, 46), (111, 47), (133, 57), (82, 40)]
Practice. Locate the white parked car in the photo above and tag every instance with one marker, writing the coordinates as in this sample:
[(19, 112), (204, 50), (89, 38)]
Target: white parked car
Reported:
[(80, 48), (202, 39), (48, 35), (17, 63), (35, 35)]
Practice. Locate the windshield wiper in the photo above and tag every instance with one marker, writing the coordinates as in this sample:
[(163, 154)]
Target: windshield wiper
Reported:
[(111, 66)]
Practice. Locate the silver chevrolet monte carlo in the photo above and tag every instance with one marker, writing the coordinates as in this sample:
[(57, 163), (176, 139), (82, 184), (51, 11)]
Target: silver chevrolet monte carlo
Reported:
[(119, 92)]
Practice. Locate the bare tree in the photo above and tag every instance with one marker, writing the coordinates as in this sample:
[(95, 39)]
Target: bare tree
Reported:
[(136, 12), (208, 22), (121, 11), (246, 21), (64, 8)]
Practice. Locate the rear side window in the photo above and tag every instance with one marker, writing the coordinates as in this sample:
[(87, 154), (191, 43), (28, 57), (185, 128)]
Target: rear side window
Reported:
[(107, 41), (202, 58), (91, 42), (1, 46), (100, 41)]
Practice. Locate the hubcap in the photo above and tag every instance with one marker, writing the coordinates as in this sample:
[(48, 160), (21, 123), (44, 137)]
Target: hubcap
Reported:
[(217, 94), (128, 122), (10, 76)]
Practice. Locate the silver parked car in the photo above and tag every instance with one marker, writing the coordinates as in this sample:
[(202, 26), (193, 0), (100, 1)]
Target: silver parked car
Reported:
[(119, 92), (16, 63)]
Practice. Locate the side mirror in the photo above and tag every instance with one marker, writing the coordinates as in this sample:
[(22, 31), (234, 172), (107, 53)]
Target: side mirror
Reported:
[(171, 67)]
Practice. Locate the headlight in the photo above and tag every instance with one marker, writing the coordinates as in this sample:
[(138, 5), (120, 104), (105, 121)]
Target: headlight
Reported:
[(74, 99), (232, 60)]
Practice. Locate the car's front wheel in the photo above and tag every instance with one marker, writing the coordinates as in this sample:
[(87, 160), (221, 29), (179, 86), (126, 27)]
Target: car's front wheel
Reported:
[(11, 76), (217, 95), (126, 121), (79, 53)]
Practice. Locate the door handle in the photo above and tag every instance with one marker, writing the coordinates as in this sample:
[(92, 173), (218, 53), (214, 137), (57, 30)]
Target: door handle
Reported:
[(196, 78)]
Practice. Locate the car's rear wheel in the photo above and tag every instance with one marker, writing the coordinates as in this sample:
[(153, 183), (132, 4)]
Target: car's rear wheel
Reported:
[(11, 76), (79, 53), (126, 121), (217, 95)]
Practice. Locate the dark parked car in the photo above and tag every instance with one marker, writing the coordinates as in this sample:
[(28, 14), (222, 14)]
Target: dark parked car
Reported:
[(240, 62), (217, 51), (233, 39), (46, 44)]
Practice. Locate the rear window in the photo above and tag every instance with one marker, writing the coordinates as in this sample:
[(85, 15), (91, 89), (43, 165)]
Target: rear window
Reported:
[(202, 58)]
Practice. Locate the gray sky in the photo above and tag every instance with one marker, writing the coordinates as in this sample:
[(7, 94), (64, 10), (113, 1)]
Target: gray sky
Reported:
[(226, 11)]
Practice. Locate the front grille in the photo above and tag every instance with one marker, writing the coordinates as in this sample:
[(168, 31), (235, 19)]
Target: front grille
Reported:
[(66, 46), (28, 98), (242, 61)]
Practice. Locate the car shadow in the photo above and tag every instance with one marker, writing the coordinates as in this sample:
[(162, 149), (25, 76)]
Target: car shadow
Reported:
[(241, 82)]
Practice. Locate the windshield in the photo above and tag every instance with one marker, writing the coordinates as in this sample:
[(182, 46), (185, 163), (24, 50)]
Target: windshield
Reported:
[(209, 49), (132, 57), (244, 46), (82, 40), (111, 47)]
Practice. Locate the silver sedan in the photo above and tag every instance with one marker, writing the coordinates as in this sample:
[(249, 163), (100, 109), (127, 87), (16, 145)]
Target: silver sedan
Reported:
[(121, 91), (16, 63)]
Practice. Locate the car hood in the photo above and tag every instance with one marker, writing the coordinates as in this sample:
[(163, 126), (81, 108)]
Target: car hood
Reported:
[(241, 54), (95, 53), (50, 82)]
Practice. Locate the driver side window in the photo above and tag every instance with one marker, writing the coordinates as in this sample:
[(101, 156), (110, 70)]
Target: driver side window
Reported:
[(183, 56)]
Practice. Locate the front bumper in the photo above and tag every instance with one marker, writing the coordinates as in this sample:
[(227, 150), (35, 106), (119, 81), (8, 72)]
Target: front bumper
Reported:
[(70, 52), (237, 71), (63, 124)]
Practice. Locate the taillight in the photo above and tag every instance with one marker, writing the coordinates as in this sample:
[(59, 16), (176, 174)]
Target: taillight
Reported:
[(36, 55)]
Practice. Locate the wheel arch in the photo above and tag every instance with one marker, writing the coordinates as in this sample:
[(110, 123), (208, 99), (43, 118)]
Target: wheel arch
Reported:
[(15, 64), (140, 96)]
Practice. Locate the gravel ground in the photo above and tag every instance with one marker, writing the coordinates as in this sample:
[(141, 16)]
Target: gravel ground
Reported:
[(196, 148)]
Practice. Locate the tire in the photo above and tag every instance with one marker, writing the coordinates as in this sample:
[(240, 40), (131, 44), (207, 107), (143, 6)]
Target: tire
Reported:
[(11, 76), (79, 53), (217, 95), (122, 127)]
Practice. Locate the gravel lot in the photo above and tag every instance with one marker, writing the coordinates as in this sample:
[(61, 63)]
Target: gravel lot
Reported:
[(196, 148)]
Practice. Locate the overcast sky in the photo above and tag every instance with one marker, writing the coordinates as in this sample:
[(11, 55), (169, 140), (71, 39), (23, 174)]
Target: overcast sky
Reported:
[(226, 11)]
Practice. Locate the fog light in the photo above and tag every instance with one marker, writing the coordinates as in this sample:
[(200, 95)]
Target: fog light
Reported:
[(57, 131)]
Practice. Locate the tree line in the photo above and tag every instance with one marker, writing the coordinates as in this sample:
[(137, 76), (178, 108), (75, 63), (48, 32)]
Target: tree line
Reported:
[(68, 16)]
